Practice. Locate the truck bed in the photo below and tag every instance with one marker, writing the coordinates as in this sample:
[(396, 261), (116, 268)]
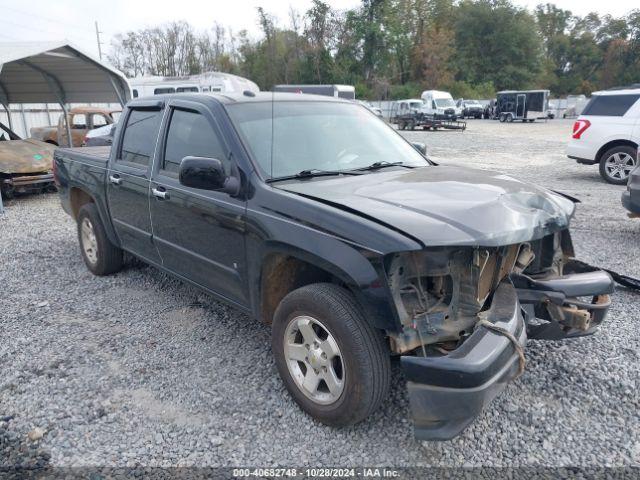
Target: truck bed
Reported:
[(97, 155)]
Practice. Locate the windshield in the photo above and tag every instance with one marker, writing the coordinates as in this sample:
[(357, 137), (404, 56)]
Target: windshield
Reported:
[(318, 136), (444, 102)]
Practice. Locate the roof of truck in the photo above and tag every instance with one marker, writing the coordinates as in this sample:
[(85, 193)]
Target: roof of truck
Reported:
[(234, 98), (619, 91)]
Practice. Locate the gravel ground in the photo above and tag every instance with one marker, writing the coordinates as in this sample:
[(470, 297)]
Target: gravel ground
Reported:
[(139, 369)]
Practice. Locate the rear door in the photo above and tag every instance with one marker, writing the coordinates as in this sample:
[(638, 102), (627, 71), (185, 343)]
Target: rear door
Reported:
[(199, 233), (128, 181), (521, 101)]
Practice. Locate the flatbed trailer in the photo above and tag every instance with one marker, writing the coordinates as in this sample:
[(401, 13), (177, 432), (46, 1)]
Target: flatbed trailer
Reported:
[(411, 121)]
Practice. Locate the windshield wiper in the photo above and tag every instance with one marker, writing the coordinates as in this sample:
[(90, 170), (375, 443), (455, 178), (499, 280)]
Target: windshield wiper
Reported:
[(383, 164), (314, 172)]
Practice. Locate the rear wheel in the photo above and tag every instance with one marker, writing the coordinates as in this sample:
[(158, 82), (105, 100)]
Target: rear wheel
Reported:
[(332, 361), (617, 163), (100, 255)]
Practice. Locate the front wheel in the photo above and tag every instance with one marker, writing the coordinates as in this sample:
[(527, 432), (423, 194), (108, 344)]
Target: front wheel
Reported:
[(100, 255), (617, 163), (332, 361)]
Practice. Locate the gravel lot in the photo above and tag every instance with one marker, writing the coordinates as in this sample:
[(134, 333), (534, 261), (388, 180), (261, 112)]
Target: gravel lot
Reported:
[(139, 369)]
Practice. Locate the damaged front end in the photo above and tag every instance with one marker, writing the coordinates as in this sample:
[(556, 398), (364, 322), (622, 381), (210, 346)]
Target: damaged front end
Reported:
[(466, 313)]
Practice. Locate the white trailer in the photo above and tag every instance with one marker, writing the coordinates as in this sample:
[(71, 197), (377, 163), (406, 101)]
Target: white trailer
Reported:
[(209, 82)]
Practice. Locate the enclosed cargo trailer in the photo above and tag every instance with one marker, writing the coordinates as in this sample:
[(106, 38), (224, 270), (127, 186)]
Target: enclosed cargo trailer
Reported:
[(524, 105)]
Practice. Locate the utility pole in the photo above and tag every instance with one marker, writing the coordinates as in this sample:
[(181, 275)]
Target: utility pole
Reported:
[(98, 32)]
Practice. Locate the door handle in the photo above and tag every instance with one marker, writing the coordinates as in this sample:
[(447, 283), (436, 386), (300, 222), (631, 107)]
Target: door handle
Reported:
[(115, 179), (161, 194)]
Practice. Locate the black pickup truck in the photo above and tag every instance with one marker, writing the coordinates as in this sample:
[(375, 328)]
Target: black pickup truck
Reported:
[(310, 214)]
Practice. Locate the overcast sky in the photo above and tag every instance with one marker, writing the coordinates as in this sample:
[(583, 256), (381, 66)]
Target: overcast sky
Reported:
[(74, 19)]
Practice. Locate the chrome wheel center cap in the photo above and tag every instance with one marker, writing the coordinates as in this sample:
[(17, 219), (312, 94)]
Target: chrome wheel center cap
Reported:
[(315, 357)]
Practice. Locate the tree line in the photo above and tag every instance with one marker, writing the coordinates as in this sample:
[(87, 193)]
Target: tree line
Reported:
[(393, 49)]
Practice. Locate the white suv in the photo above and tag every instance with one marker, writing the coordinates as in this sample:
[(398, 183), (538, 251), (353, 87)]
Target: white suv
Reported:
[(608, 133)]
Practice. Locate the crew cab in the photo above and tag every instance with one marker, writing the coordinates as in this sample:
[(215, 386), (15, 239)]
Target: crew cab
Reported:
[(311, 215), (608, 133)]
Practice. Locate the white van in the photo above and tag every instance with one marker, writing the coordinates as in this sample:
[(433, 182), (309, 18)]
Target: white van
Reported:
[(440, 105)]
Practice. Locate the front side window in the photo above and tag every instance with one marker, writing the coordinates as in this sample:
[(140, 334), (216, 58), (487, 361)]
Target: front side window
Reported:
[(190, 134), (286, 138), (98, 120), (140, 136), (610, 105)]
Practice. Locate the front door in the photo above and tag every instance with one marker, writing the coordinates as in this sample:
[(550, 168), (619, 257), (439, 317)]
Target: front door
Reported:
[(521, 101), (128, 182), (199, 233)]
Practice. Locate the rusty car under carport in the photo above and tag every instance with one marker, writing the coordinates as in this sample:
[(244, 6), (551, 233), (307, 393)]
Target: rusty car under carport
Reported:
[(25, 165)]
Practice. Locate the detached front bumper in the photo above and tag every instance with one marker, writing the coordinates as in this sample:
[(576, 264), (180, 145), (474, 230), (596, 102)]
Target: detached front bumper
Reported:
[(447, 393)]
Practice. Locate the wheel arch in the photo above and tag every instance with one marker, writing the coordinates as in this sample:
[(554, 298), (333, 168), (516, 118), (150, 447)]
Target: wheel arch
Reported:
[(78, 197), (285, 268), (614, 143)]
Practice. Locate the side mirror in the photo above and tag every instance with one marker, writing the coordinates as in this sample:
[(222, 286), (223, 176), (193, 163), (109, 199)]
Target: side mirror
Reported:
[(206, 174), (421, 147)]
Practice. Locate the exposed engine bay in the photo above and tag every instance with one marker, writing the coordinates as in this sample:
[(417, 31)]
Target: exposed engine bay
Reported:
[(440, 293)]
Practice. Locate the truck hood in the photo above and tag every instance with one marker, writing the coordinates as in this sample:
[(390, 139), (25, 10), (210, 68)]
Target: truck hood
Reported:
[(25, 156), (441, 205)]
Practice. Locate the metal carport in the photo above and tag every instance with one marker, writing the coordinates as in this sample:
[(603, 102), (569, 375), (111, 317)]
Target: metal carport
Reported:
[(56, 72)]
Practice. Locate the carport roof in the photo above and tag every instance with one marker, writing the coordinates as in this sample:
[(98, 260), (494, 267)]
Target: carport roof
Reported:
[(57, 72)]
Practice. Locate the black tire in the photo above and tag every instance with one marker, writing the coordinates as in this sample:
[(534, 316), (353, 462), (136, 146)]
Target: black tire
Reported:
[(364, 352), (509, 118), (401, 125), (411, 125), (502, 118), (625, 151), (108, 257)]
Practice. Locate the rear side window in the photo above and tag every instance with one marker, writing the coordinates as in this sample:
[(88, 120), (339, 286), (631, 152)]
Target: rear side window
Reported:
[(190, 134), (161, 91), (140, 135), (610, 105)]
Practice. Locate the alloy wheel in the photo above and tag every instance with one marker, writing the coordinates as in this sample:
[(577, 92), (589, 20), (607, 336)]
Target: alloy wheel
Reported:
[(314, 360), (619, 165)]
